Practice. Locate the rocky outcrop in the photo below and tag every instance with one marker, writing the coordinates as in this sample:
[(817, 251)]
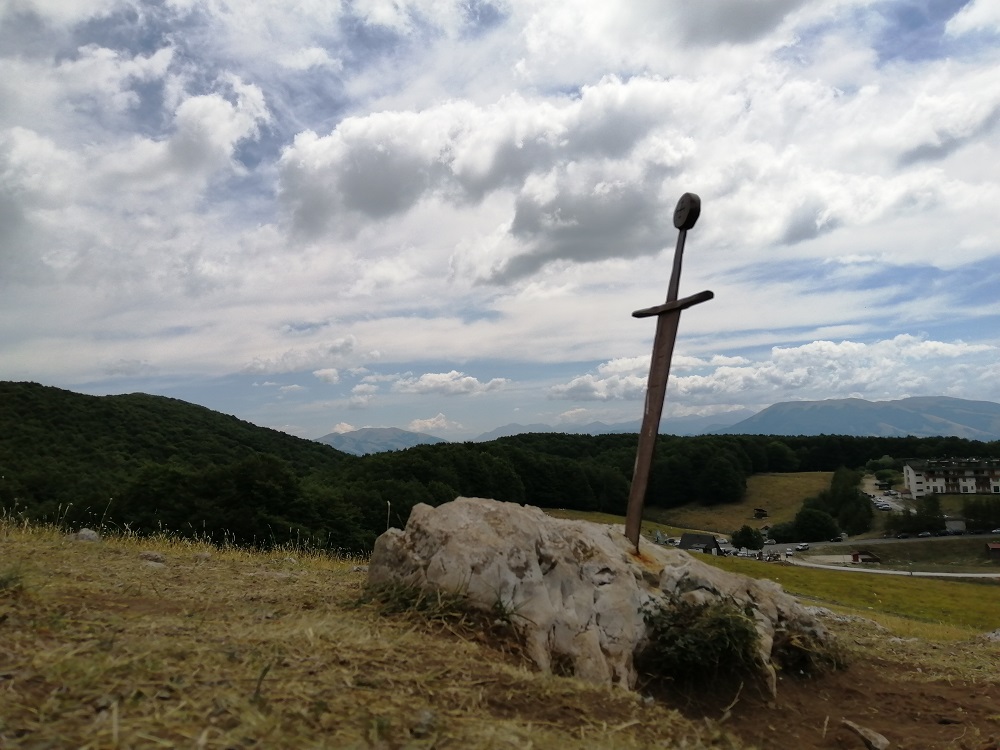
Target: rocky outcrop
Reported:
[(576, 590)]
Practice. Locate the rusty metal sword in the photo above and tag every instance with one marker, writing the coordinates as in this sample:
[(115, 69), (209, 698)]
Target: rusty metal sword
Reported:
[(668, 316)]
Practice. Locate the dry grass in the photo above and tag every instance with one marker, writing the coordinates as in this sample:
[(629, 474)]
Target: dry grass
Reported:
[(100, 648), (232, 649), (780, 494)]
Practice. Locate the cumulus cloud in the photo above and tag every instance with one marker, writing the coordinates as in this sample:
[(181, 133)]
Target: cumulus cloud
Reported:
[(310, 57), (451, 383), (362, 395), (302, 358), (341, 427), (433, 425), (594, 388), (811, 371), (327, 375), (484, 182), (826, 369), (978, 15), (572, 200)]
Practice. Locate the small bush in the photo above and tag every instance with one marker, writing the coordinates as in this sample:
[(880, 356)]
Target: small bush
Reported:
[(699, 643)]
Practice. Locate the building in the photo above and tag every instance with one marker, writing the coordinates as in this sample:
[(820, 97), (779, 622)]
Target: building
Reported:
[(956, 476), (700, 543), (865, 556), (993, 550)]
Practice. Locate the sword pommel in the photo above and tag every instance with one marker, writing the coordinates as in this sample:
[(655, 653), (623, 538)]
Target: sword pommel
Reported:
[(687, 211)]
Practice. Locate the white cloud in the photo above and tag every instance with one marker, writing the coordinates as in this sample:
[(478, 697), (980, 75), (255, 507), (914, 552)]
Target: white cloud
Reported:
[(290, 389), (200, 189), (311, 57), (977, 15), (109, 76), (447, 383), (811, 371), (825, 369), (341, 427), (362, 395), (574, 416), (434, 425), (327, 375), (592, 388), (302, 358)]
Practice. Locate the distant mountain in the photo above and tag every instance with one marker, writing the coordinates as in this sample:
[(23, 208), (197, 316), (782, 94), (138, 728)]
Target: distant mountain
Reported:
[(513, 429), (918, 416), (694, 425), (377, 440)]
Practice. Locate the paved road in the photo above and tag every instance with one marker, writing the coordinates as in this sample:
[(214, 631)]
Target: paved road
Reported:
[(914, 573)]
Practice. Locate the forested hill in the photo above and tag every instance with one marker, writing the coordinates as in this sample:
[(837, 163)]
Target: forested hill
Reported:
[(152, 464), (64, 434), (77, 458)]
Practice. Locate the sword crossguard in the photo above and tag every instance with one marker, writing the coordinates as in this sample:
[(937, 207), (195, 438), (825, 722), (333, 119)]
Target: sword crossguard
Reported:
[(679, 304)]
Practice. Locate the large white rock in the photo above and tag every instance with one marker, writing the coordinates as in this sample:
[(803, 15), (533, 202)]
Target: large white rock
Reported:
[(577, 588)]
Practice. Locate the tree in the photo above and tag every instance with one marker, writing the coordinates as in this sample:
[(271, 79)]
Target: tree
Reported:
[(780, 457), (783, 532), (748, 537), (723, 482), (813, 525)]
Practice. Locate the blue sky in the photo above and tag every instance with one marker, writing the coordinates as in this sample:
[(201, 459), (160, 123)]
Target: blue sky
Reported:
[(439, 214)]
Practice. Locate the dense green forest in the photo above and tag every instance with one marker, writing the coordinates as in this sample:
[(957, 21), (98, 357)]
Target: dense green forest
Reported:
[(148, 463)]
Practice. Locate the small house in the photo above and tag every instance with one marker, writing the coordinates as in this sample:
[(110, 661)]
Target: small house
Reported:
[(706, 543), (760, 512), (993, 550)]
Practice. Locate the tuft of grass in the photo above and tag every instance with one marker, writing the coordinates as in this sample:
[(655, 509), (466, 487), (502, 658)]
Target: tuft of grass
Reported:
[(395, 598), (700, 643), (11, 581)]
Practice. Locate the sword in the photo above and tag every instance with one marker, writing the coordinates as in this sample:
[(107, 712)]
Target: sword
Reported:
[(668, 317)]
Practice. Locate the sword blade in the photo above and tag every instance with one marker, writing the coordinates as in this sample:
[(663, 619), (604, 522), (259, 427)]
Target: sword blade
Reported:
[(656, 391)]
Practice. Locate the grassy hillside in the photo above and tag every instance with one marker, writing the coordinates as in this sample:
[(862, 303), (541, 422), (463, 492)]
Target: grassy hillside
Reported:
[(780, 494), (109, 645), (226, 649), (960, 608)]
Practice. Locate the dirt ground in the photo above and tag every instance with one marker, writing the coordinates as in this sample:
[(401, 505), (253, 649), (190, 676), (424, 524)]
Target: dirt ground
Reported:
[(878, 696), (897, 697)]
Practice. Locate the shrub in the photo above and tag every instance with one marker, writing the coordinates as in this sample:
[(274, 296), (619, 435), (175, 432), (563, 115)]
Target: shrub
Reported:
[(698, 643)]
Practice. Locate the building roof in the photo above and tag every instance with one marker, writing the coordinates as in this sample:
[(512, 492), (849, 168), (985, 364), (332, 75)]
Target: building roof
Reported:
[(691, 541)]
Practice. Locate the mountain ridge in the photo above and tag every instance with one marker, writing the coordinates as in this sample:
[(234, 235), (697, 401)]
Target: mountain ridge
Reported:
[(919, 416), (367, 440)]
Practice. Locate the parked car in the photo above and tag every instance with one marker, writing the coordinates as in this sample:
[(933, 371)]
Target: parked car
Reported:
[(995, 531), (769, 541), (801, 547), (836, 539), (924, 533), (904, 535), (788, 552)]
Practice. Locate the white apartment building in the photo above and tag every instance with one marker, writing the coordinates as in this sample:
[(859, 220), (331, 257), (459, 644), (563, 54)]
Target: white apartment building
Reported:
[(952, 476)]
